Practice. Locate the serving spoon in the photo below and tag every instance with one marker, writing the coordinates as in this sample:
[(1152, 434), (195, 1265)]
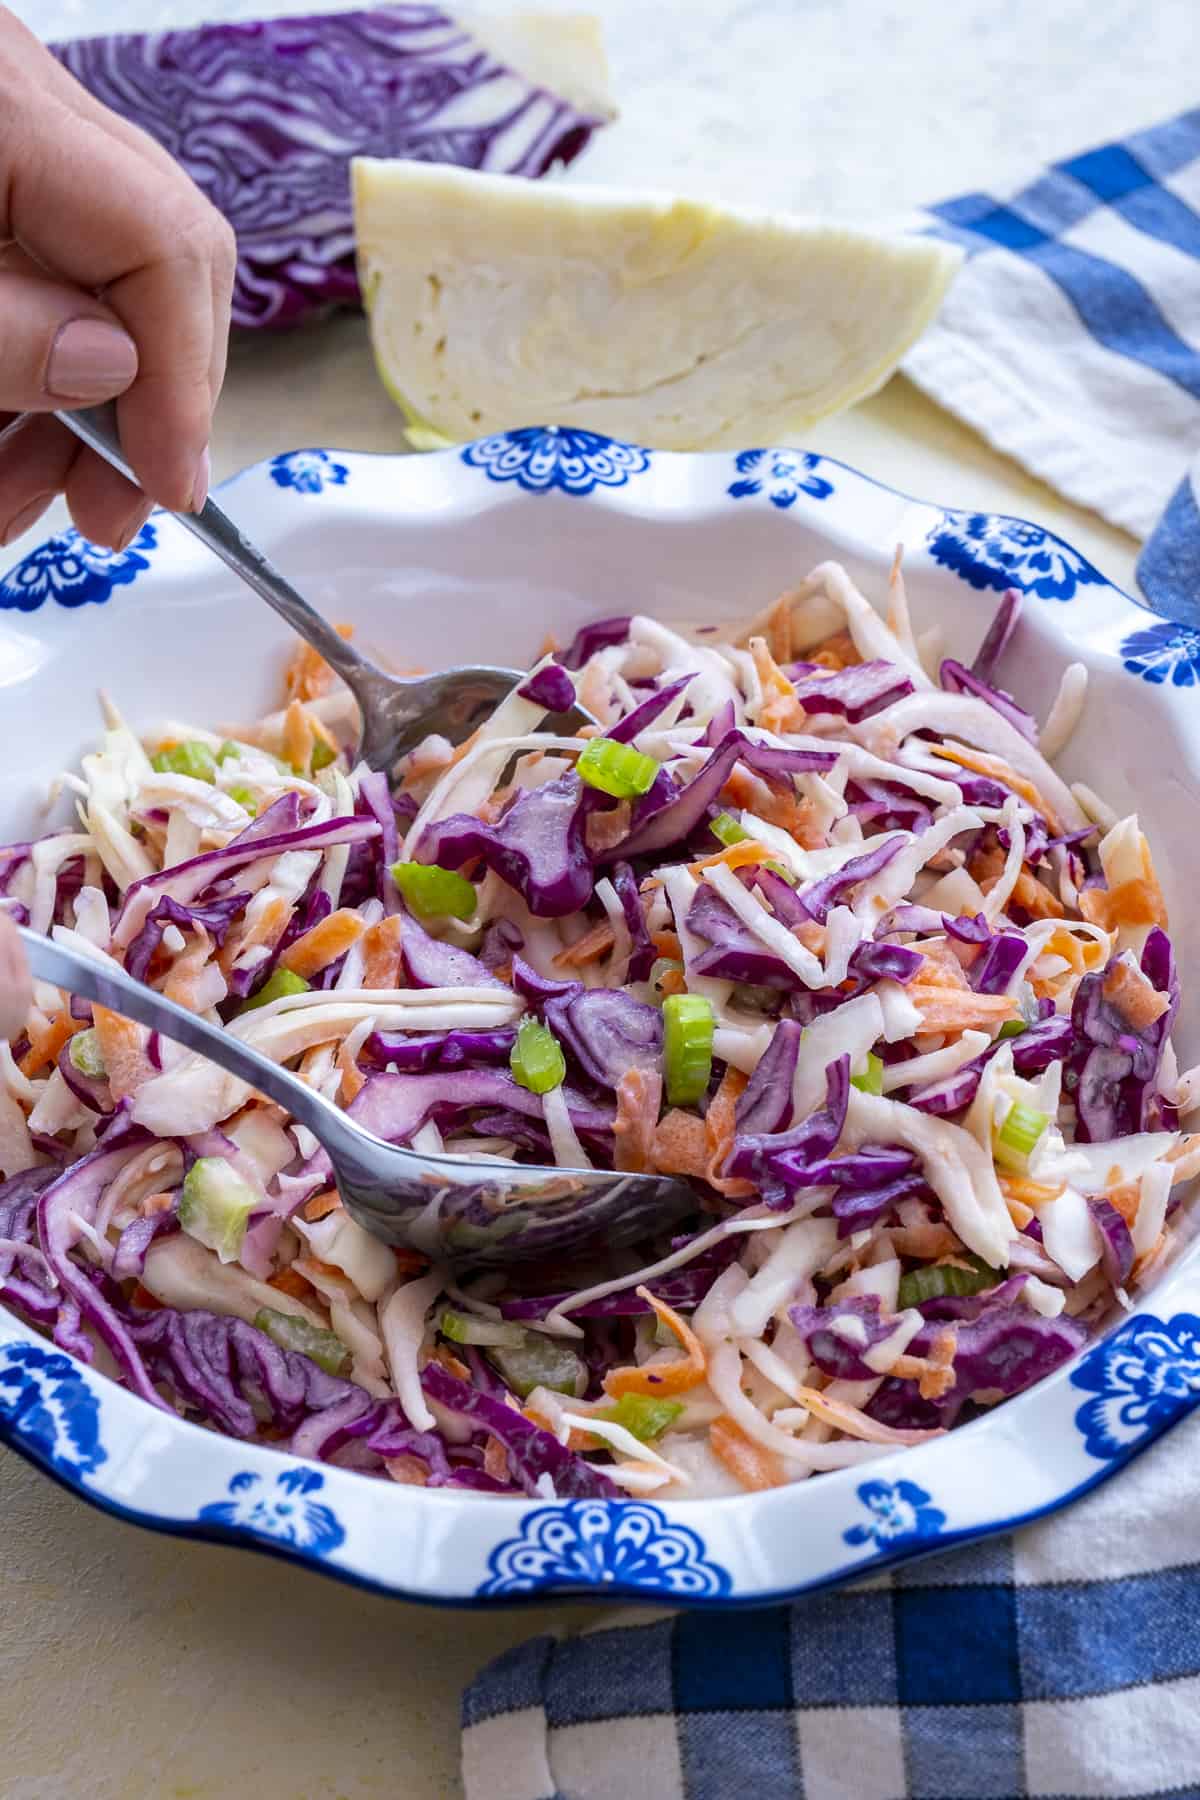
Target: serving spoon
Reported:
[(396, 713), (469, 1211)]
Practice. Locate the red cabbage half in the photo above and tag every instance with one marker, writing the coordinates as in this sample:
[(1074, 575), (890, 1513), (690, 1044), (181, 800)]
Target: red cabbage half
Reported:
[(265, 117)]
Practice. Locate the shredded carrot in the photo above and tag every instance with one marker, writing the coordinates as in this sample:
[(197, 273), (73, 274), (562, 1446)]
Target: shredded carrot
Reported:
[(321, 1205), (895, 590), (719, 1126), (735, 856), (686, 1371), (667, 944), (495, 1459), (267, 928), (290, 1281), (923, 1242), (1138, 1003), (123, 1047), (323, 944), (1036, 897), (814, 937), (680, 1147), (298, 735), (941, 967), (588, 949), (463, 749), (45, 1046), (855, 1423), (1137, 902), (951, 1009), (308, 675), (836, 652), (603, 830), (639, 1095), (353, 1080), (410, 1262), (155, 1203), (381, 954), (409, 1471), (1028, 1192), (453, 1364), (750, 1463), (933, 1374), (995, 766), (1126, 1197)]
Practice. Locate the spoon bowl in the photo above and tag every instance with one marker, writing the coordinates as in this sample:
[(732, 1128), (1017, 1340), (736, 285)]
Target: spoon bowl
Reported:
[(470, 1211), (396, 712)]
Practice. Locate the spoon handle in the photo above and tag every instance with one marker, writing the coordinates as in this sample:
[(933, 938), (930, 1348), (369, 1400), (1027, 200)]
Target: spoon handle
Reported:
[(104, 983), (97, 426)]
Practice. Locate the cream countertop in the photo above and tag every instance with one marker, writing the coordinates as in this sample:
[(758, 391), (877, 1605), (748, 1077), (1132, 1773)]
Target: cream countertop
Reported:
[(139, 1667)]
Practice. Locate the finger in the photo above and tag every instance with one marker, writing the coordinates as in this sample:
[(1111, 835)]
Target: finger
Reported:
[(16, 988), (154, 255), (59, 347), (105, 507), (77, 97), (36, 457)]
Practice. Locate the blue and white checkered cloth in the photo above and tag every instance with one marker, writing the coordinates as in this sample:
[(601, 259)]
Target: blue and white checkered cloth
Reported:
[(1062, 1663), (1071, 340), (1059, 1664)]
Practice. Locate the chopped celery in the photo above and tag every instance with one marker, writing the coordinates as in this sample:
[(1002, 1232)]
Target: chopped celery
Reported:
[(870, 1081), (86, 1055), (1014, 1142), (687, 1047), (215, 1204), (1012, 1028), (616, 769), (279, 983), (229, 751), (465, 1328), (244, 797), (190, 758), (431, 892), (644, 1415), (322, 755), (726, 828), (540, 1362), (665, 965), (537, 1061), (940, 1281), (324, 1348)]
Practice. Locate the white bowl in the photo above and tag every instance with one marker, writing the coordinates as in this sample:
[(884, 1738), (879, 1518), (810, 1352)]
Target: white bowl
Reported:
[(476, 554)]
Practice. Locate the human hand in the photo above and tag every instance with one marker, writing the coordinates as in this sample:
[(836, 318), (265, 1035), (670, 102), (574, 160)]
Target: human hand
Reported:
[(115, 281), (16, 989)]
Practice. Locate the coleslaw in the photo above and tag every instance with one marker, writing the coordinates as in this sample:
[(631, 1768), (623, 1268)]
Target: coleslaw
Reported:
[(808, 919)]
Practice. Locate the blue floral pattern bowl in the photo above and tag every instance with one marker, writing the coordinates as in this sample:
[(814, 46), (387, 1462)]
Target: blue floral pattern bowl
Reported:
[(479, 552)]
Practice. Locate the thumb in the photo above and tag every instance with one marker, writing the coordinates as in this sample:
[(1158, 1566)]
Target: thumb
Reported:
[(59, 347)]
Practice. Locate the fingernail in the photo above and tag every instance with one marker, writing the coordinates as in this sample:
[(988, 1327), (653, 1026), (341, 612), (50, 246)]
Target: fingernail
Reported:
[(90, 360), (203, 476), (123, 540), (25, 518)]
